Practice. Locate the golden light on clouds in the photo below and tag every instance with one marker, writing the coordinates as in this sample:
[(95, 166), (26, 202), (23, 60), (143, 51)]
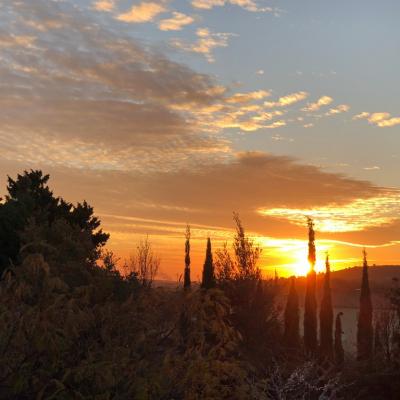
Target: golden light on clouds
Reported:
[(287, 100), (143, 12), (104, 5), (176, 22), (358, 215), (321, 102), (379, 119)]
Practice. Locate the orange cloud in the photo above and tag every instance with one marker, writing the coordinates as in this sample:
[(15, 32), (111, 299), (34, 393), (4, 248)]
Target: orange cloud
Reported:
[(322, 101), (379, 119), (104, 5), (176, 22), (143, 12), (207, 41), (287, 100)]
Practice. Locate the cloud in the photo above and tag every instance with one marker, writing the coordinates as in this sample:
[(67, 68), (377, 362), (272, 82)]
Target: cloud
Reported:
[(143, 12), (176, 22), (104, 5), (322, 101), (249, 5), (342, 108), (287, 100), (246, 97), (379, 119), (206, 42), (10, 40), (373, 168), (357, 215), (107, 103)]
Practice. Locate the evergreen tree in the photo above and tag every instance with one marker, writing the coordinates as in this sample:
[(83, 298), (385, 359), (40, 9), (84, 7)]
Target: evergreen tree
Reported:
[(326, 316), (339, 352), (364, 327), (292, 318), (186, 279), (208, 269), (31, 215), (310, 307)]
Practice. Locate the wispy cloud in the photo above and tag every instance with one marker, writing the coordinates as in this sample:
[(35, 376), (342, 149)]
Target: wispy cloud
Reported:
[(358, 215), (321, 102), (249, 5), (176, 22), (287, 100), (104, 5), (379, 119), (342, 108), (206, 42), (143, 12), (246, 97)]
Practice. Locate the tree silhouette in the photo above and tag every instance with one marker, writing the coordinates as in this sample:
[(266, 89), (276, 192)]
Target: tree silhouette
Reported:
[(326, 316), (32, 216), (364, 327), (186, 279), (208, 281), (292, 318), (310, 307), (339, 352)]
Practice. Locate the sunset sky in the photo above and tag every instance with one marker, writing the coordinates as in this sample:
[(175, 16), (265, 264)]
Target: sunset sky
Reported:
[(162, 113)]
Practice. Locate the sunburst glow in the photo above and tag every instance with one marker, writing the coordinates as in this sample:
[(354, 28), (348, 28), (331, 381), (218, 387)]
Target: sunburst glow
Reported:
[(355, 216)]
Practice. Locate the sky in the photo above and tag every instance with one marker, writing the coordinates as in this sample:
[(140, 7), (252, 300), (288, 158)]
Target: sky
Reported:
[(166, 113)]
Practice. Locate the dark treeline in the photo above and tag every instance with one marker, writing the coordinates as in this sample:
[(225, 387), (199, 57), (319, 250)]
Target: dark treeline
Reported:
[(76, 323)]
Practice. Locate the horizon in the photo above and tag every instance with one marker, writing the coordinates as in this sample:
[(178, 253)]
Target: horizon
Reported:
[(162, 114)]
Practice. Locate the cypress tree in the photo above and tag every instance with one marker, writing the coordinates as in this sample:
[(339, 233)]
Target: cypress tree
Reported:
[(310, 307), (364, 327), (186, 279), (292, 318), (339, 352), (208, 269), (326, 316)]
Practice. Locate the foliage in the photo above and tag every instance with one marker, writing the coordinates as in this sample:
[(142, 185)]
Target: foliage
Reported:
[(144, 264), (186, 278), (326, 317), (307, 381), (292, 319), (364, 326), (310, 306), (253, 309), (31, 216), (208, 280), (339, 352)]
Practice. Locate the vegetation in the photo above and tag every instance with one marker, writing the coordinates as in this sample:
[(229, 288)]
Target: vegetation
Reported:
[(310, 306), (326, 316), (186, 276), (208, 281), (364, 327), (76, 324), (292, 318)]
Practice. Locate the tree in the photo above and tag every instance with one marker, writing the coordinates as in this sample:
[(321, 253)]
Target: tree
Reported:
[(144, 263), (364, 326), (186, 279), (326, 316), (247, 253), (292, 318), (30, 206), (224, 266), (208, 281), (339, 352), (310, 307)]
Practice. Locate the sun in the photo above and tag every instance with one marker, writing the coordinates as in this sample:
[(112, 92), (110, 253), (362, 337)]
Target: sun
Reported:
[(301, 269)]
